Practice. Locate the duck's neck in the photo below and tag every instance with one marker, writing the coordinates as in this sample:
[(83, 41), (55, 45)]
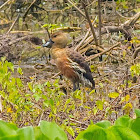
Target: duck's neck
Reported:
[(57, 52)]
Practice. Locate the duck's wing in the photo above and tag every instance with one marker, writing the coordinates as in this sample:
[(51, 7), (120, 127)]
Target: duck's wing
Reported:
[(78, 59), (81, 67)]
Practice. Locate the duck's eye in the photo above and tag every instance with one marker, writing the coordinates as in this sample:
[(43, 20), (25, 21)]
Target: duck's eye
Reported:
[(55, 36)]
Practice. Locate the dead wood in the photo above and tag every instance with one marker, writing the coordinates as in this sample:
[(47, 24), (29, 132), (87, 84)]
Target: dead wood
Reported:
[(12, 47), (136, 52), (124, 28), (89, 21), (99, 54), (13, 23)]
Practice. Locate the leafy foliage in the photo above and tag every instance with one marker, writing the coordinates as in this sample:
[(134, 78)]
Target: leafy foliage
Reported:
[(27, 99), (123, 128), (135, 69), (30, 101), (46, 131)]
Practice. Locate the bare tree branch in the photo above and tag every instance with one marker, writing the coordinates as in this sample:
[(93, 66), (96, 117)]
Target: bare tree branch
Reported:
[(5, 3), (72, 3), (97, 55), (13, 24), (89, 21)]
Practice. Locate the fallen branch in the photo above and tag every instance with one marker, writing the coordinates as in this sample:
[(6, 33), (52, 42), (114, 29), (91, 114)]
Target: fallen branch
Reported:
[(100, 49), (136, 52), (123, 29), (18, 40), (117, 29), (99, 54), (132, 21)]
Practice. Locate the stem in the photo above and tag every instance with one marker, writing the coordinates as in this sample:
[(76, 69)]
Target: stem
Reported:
[(89, 21), (100, 23)]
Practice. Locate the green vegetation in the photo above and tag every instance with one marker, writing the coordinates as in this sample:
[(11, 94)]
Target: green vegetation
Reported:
[(31, 99), (36, 104), (123, 128)]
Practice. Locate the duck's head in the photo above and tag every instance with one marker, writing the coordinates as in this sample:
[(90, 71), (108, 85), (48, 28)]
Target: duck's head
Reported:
[(58, 39)]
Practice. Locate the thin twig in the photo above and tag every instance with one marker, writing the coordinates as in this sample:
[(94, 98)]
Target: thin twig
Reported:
[(82, 123), (112, 29), (133, 20), (136, 52), (72, 3), (89, 21), (76, 48), (99, 15), (5, 3), (57, 74), (13, 24), (28, 32), (100, 38), (28, 9), (99, 54), (126, 86), (134, 87), (18, 40), (100, 49)]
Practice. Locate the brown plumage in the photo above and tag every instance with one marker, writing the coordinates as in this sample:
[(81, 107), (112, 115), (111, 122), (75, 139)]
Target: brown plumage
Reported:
[(71, 63)]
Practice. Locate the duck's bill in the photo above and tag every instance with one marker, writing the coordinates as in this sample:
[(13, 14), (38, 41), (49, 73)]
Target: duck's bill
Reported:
[(48, 44)]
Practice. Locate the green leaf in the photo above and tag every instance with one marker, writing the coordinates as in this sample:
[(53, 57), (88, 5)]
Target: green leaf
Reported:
[(123, 121), (135, 69), (46, 103), (47, 84), (113, 95), (51, 102), (95, 132), (135, 125), (52, 131), (3, 59), (123, 133), (70, 130), (104, 124), (11, 66), (95, 109), (19, 82), (30, 86), (19, 70), (92, 68), (45, 25), (137, 111), (39, 135), (92, 92), (37, 96), (99, 105), (26, 133), (7, 130), (15, 137)]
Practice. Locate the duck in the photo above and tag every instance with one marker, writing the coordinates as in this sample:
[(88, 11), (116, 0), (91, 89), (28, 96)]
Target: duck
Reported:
[(70, 63)]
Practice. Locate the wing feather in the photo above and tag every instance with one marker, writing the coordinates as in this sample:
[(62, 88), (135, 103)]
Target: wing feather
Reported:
[(81, 67)]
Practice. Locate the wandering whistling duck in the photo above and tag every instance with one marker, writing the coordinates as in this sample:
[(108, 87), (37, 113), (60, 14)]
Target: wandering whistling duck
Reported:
[(71, 63)]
